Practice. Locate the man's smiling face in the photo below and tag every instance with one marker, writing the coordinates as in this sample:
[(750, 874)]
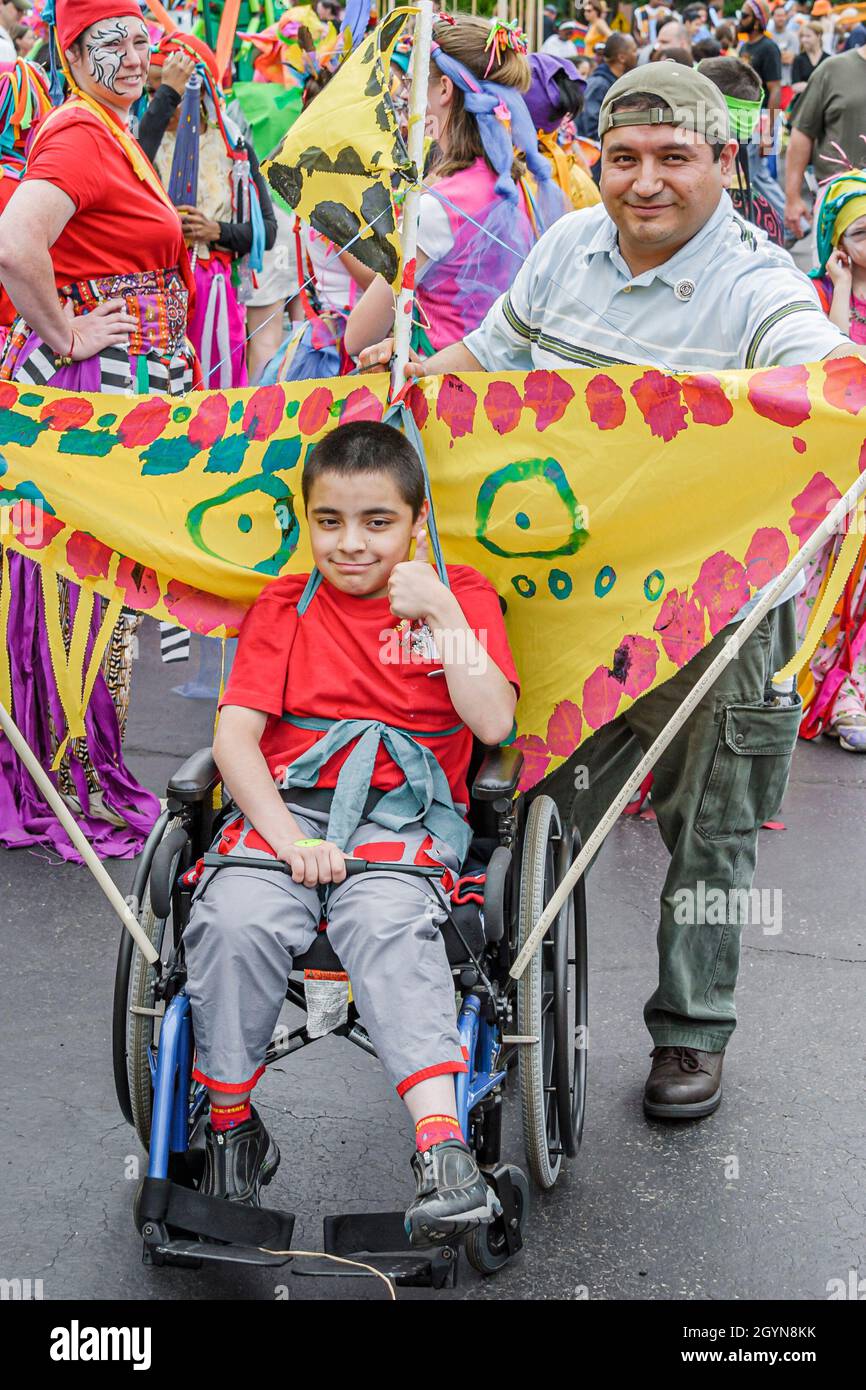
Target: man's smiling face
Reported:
[(660, 184)]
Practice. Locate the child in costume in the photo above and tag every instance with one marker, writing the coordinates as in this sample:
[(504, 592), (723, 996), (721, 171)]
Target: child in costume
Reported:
[(480, 214), (344, 732), (834, 685)]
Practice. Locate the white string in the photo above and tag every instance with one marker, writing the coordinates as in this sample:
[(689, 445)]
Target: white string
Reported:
[(356, 1264)]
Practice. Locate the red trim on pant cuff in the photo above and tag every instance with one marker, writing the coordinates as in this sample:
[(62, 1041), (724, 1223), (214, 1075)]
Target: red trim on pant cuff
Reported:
[(230, 1087), (440, 1069)]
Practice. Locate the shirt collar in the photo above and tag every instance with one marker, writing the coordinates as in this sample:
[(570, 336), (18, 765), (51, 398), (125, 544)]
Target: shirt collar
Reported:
[(688, 262)]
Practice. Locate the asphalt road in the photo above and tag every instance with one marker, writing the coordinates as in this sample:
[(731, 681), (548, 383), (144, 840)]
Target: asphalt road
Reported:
[(766, 1199)]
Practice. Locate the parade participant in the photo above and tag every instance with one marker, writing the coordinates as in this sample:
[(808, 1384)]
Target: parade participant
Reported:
[(646, 22), (595, 14), (647, 272), (828, 128), (556, 95), (741, 88), (93, 258), (834, 687), (762, 54), (307, 692), (561, 44), (696, 22), (480, 218), (10, 18), (785, 33), (227, 216), (24, 100), (809, 57), (620, 56)]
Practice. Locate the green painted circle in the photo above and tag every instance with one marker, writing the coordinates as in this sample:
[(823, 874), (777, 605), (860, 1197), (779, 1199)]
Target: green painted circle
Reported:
[(237, 410), (245, 523), (560, 584), (604, 580), (182, 413), (653, 585), (524, 585), (105, 420), (522, 520)]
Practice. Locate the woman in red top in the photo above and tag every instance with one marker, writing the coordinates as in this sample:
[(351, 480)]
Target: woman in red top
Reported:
[(92, 255)]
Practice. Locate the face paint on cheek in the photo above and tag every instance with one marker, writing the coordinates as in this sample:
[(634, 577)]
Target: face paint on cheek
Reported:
[(104, 44)]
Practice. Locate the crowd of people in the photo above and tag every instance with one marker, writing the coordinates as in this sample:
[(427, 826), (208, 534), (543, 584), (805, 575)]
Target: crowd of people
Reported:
[(142, 249)]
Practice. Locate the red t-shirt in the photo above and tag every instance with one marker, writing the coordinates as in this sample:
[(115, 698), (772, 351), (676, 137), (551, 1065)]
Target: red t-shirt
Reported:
[(342, 660), (120, 224)]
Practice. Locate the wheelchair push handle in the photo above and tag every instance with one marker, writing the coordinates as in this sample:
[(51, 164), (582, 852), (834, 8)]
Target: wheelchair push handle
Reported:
[(213, 860)]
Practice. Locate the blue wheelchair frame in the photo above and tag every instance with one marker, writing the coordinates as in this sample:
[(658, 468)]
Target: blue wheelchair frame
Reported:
[(174, 1112)]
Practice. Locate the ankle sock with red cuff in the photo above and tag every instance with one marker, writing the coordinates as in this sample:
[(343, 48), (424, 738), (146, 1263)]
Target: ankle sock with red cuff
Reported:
[(223, 1117), (436, 1129)]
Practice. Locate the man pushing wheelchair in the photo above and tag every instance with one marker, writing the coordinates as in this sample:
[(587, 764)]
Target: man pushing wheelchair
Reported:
[(346, 729)]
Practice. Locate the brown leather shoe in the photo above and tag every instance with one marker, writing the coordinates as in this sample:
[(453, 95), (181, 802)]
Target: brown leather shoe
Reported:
[(684, 1083)]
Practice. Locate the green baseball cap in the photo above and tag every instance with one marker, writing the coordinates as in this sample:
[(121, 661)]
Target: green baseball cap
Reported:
[(695, 102)]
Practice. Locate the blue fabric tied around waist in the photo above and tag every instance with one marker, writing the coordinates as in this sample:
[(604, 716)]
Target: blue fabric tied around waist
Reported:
[(424, 798)]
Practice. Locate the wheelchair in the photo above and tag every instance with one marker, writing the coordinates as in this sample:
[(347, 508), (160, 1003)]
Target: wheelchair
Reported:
[(532, 1030)]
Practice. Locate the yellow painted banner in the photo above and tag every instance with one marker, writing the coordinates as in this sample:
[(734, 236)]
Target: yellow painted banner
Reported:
[(625, 515)]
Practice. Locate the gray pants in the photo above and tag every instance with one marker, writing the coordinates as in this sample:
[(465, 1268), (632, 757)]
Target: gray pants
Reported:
[(248, 925)]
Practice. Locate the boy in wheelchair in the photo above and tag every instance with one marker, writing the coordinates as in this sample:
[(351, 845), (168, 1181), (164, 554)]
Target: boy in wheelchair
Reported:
[(346, 728)]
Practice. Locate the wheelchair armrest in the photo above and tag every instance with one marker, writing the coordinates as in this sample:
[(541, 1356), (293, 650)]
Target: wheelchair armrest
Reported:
[(195, 778), (498, 774)]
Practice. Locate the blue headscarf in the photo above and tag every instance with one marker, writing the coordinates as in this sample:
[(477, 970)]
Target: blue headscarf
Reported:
[(482, 99)]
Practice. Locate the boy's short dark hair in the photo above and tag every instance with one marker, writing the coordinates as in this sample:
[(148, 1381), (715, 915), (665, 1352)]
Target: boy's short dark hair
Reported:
[(367, 447)]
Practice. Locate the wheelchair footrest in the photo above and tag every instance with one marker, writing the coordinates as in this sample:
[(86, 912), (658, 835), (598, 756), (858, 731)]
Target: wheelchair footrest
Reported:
[(170, 1216), (379, 1239)]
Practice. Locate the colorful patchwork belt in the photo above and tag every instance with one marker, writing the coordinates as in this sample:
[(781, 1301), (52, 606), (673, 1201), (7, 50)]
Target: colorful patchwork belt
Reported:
[(157, 299)]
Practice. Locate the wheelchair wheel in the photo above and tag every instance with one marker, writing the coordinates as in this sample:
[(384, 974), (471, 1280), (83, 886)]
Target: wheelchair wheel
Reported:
[(486, 1246), (570, 1003), (536, 993), (143, 1015)]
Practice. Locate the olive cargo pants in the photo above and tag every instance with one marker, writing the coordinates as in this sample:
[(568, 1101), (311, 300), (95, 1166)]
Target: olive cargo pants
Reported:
[(723, 775)]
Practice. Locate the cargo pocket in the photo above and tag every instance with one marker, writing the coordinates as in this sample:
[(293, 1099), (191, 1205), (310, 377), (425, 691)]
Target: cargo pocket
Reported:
[(750, 769)]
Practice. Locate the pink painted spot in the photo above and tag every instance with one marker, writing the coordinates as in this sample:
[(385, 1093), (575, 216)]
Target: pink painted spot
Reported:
[(315, 411), (502, 406), (681, 625), (549, 395), (88, 556), (601, 696), (564, 728), (139, 583), (201, 612), (536, 757), (811, 506), (605, 402), (417, 403), (361, 405), (144, 423), (845, 384), (210, 421), (634, 664), (69, 413), (409, 274), (706, 400), (781, 394), (264, 412), (722, 588), (766, 556), (33, 527), (799, 444), (8, 395), (456, 406), (659, 402)]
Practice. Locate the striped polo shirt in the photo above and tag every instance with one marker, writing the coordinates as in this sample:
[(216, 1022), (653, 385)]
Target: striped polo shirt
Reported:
[(727, 299)]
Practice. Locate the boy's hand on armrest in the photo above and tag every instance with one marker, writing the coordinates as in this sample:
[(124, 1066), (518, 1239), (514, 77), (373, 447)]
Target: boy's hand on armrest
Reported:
[(313, 864)]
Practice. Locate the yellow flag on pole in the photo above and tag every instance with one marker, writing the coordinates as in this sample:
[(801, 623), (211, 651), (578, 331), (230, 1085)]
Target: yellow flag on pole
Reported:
[(336, 162)]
